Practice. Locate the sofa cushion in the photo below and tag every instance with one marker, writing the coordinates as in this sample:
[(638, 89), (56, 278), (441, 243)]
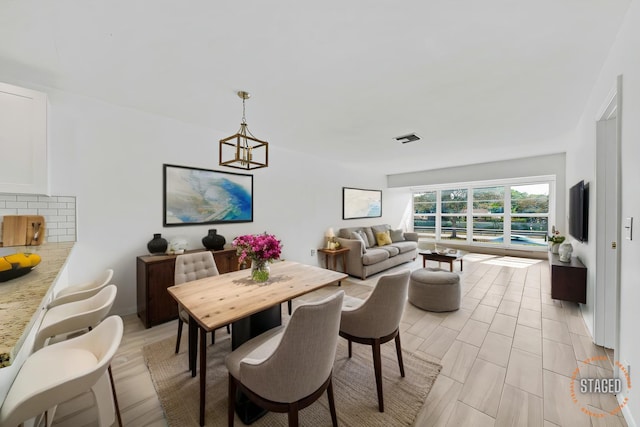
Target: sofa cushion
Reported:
[(374, 256), (369, 241), (383, 238), (397, 236), (393, 251), (370, 236), (345, 233), (405, 246), (359, 235), (380, 228)]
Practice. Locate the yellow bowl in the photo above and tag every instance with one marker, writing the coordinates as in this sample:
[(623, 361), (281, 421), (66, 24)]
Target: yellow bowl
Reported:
[(16, 265)]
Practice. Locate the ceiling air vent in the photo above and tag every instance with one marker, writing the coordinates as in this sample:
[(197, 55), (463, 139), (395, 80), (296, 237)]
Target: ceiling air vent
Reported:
[(407, 138)]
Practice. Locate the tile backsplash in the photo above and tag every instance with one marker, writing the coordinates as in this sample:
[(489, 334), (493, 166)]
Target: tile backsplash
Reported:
[(59, 213)]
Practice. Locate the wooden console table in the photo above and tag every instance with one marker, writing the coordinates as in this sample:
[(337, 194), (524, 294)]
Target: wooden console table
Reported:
[(155, 274), (568, 279)]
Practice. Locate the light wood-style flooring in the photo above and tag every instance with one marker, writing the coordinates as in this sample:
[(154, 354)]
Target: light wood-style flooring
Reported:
[(507, 354)]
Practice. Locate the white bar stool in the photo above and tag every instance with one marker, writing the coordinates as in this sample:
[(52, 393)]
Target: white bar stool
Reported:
[(75, 316), (62, 371), (79, 292)]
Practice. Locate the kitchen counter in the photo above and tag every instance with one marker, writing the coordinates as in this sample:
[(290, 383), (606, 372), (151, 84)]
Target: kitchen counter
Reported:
[(23, 297)]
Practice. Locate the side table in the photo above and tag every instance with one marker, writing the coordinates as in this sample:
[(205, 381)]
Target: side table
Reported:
[(330, 256)]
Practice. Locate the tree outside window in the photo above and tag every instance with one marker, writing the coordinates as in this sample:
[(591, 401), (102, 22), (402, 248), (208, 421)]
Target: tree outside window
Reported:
[(454, 210)]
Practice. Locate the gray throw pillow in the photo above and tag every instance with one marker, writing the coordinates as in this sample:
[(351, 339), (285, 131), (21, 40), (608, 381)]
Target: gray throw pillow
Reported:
[(397, 236), (370, 238), (359, 235), (380, 228)]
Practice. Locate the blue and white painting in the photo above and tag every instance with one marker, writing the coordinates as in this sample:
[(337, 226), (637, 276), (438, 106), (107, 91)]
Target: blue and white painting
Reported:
[(200, 196), (358, 203)]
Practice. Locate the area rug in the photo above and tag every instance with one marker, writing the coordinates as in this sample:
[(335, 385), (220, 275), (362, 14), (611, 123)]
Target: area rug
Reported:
[(353, 383)]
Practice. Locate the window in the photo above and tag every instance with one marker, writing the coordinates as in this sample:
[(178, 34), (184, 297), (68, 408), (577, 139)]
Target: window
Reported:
[(488, 215), (529, 214), (502, 213), (454, 214), (424, 213)]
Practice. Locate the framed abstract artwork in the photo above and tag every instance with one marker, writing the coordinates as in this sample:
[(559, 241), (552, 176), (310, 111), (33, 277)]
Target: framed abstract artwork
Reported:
[(360, 203), (193, 196)]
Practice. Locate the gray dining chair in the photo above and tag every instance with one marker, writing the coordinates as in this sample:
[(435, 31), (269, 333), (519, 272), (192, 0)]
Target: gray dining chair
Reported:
[(376, 320), (190, 267), (288, 368)]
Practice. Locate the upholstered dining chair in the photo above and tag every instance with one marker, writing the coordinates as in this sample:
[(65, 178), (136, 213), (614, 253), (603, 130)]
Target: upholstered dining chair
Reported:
[(376, 320), (82, 291), (62, 371), (190, 267), (288, 368)]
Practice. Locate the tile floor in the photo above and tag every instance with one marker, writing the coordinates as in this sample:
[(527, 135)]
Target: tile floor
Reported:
[(507, 354)]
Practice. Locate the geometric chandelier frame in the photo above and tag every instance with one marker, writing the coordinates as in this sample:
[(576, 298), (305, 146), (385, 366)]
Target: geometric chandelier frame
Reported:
[(243, 150)]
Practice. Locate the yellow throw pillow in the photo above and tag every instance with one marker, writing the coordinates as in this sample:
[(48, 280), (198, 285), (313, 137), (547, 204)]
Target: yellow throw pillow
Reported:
[(383, 238)]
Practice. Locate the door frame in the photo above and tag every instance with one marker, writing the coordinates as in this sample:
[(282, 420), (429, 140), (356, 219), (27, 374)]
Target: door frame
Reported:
[(603, 310)]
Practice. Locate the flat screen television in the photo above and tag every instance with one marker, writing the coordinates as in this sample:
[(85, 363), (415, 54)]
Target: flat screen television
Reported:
[(579, 211)]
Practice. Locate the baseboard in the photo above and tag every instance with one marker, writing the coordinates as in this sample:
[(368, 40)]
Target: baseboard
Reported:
[(626, 412)]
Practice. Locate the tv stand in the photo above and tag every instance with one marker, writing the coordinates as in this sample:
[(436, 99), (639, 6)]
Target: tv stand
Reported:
[(568, 279)]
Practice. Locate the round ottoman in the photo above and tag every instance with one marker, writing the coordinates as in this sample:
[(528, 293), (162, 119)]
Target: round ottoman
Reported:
[(433, 289)]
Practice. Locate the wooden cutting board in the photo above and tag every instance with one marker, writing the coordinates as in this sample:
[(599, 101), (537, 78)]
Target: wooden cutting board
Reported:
[(20, 230)]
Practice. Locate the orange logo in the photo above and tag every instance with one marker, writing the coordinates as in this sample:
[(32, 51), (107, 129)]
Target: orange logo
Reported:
[(598, 385)]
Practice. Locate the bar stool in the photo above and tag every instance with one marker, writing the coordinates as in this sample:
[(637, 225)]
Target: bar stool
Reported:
[(79, 292), (62, 371), (75, 316)]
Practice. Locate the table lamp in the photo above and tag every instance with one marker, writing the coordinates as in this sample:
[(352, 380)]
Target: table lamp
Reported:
[(329, 234)]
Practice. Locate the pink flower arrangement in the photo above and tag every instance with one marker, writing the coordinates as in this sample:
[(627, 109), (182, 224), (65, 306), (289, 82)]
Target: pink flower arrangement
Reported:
[(259, 247)]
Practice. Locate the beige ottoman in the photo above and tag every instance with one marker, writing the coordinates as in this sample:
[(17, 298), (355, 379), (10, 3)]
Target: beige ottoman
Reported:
[(433, 289)]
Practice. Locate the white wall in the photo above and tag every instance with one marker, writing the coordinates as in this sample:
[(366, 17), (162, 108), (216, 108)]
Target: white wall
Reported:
[(623, 60), (551, 164), (111, 159)]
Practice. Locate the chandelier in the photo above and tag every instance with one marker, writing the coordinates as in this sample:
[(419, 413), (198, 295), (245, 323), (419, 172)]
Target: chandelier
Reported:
[(243, 150)]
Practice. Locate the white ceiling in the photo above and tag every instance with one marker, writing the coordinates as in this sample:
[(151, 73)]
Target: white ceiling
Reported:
[(478, 80)]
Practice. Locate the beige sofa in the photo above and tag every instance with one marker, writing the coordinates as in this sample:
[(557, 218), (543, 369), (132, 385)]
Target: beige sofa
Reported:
[(366, 257)]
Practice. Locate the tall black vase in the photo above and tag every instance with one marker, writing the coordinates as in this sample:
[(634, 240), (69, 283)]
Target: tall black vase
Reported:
[(213, 240), (157, 245)]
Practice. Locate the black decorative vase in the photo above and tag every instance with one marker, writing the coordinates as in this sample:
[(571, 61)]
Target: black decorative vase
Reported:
[(157, 245), (213, 240)]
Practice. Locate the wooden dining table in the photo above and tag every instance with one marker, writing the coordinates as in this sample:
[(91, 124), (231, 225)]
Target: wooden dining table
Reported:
[(235, 298)]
